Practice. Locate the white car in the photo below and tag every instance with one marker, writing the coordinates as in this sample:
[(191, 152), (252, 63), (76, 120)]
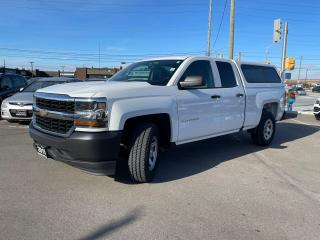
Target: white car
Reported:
[(19, 106), (316, 109), (301, 91), (154, 103)]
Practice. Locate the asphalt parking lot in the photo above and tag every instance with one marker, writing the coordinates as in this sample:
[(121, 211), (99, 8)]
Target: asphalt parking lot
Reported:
[(305, 103), (224, 188)]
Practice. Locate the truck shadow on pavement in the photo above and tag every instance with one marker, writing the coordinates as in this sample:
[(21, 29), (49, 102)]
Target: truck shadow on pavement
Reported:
[(190, 159), (193, 158)]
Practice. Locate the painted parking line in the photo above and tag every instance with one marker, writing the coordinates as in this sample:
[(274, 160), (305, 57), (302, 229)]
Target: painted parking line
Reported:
[(13, 126)]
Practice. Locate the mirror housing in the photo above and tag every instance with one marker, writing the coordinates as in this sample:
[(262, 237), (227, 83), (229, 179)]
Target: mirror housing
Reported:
[(191, 82)]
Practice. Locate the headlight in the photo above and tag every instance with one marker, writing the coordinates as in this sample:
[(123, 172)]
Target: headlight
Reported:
[(4, 103), (91, 113)]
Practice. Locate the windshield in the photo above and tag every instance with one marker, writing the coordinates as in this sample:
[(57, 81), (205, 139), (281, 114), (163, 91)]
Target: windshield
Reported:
[(40, 84), (157, 72), (300, 89)]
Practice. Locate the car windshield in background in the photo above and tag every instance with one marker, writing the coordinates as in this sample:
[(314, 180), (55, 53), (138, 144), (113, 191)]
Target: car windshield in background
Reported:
[(157, 72), (299, 89), (40, 84)]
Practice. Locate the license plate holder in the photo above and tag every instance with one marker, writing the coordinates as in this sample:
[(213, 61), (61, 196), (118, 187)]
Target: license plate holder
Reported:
[(21, 113), (41, 150)]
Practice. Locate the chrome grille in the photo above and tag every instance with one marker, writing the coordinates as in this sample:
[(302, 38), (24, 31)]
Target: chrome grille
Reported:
[(54, 125), (54, 113), (55, 105)]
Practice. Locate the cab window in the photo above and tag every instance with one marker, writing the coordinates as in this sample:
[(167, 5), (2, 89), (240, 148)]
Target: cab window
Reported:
[(200, 68), (228, 79)]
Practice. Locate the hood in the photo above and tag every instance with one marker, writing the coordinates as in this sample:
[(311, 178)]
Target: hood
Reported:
[(93, 89), (23, 97)]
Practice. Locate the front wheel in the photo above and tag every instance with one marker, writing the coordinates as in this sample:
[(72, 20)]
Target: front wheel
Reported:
[(263, 134), (144, 152)]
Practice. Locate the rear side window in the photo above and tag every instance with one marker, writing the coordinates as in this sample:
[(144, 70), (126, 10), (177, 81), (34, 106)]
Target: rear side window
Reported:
[(228, 80), (260, 74)]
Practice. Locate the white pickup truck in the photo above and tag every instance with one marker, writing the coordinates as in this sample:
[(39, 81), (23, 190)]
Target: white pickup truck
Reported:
[(155, 103)]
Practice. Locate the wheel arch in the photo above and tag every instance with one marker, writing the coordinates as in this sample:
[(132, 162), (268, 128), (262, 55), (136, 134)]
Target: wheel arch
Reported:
[(161, 120)]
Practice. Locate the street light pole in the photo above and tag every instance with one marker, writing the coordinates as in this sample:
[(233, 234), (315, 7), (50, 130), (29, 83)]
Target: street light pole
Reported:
[(62, 70), (299, 68), (305, 81), (209, 29), (31, 64)]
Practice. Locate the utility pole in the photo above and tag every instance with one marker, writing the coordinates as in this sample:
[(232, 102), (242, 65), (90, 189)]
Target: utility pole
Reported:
[(299, 68), (284, 50), (31, 64), (231, 37), (209, 29)]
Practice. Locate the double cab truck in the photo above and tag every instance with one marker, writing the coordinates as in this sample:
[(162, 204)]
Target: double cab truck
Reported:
[(151, 104)]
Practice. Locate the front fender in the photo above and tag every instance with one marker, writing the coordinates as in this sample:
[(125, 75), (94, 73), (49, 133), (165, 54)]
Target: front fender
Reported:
[(124, 109)]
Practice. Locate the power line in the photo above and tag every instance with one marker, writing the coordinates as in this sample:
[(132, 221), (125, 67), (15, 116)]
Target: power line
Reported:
[(69, 53), (221, 20)]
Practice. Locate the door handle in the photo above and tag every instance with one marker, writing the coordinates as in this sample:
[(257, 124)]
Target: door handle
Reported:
[(239, 95), (216, 97)]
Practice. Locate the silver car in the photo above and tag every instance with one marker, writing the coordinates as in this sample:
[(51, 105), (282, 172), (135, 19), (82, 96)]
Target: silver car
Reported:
[(19, 106)]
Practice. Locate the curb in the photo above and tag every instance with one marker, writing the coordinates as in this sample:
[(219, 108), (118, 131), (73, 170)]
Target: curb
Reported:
[(305, 112)]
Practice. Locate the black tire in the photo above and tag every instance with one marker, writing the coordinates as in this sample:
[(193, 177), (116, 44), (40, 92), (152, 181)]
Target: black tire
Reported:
[(263, 134), (143, 139)]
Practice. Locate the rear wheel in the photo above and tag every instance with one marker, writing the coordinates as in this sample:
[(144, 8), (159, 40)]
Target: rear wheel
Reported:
[(144, 151), (263, 134)]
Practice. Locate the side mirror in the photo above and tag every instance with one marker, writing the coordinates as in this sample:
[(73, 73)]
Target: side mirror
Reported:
[(191, 82)]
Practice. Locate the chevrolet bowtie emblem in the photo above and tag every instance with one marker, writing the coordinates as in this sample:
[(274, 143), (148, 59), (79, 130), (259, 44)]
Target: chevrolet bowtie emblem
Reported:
[(42, 113)]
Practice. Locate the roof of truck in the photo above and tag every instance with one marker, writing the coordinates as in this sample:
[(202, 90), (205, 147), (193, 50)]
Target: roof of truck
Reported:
[(195, 56)]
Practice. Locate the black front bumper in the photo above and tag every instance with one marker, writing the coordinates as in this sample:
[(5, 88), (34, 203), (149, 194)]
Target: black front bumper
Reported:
[(95, 152)]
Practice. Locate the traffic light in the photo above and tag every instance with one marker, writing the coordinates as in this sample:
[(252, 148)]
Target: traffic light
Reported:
[(276, 30), (290, 63)]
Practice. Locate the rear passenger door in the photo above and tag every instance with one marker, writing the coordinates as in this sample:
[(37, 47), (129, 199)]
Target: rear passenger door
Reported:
[(232, 96)]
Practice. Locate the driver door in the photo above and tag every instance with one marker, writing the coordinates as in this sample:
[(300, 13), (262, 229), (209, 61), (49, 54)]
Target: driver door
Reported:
[(198, 107)]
